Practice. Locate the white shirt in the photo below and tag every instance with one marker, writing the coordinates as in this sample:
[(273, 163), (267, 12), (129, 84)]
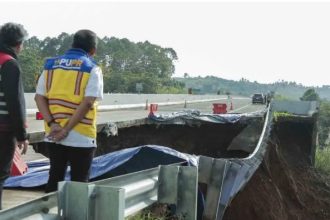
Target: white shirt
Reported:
[(94, 88)]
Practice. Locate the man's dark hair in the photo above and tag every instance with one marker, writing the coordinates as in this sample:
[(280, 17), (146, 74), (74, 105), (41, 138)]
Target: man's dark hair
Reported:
[(85, 40), (12, 34)]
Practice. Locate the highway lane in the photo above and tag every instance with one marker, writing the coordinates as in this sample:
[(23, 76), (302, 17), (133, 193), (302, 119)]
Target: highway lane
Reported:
[(122, 99), (242, 105), (239, 106)]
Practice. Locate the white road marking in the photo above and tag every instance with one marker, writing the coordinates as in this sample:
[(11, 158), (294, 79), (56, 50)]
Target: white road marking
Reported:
[(245, 106)]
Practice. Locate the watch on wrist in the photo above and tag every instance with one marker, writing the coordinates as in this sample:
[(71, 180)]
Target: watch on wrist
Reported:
[(51, 122)]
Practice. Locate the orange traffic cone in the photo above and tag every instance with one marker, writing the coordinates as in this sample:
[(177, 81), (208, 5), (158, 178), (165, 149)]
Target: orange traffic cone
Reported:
[(18, 167)]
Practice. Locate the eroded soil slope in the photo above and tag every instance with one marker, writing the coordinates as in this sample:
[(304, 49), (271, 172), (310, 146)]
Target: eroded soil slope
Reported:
[(286, 186)]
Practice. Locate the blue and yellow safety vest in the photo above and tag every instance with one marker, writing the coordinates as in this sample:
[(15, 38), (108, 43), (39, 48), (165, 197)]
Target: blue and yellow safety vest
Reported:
[(66, 78)]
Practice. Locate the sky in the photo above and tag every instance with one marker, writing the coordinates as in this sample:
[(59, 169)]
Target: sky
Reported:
[(259, 41)]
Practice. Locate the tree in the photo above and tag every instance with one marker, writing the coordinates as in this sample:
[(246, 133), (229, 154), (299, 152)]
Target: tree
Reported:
[(31, 63), (31, 66), (124, 63), (310, 95)]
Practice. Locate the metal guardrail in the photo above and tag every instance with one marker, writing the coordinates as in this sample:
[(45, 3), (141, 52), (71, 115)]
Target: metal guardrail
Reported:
[(115, 198), (178, 186), (226, 177), (35, 209), (105, 108)]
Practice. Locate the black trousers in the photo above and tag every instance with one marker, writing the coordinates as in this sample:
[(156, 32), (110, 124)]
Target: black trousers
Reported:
[(7, 150), (60, 156)]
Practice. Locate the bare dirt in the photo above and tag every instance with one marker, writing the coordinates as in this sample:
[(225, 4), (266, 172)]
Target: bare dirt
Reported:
[(206, 139), (286, 186)]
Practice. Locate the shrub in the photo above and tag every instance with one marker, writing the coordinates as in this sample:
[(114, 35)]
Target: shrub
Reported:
[(322, 159)]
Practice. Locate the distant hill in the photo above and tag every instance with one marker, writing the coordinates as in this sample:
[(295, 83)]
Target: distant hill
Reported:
[(213, 85)]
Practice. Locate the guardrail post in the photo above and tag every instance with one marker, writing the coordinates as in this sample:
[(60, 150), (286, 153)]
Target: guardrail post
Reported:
[(90, 202), (212, 172), (178, 186), (107, 203), (227, 188), (73, 200)]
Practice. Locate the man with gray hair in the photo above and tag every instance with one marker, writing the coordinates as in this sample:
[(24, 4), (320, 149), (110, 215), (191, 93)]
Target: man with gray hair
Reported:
[(12, 104)]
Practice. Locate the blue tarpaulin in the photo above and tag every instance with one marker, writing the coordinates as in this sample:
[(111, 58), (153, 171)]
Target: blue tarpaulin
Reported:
[(108, 165)]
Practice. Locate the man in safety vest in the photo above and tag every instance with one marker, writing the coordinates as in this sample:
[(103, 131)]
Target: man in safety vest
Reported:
[(67, 92), (12, 104)]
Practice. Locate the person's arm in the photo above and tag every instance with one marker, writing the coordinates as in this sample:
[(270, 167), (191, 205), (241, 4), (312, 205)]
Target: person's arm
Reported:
[(14, 97), (42, 104), (41, 99), (93, 92), (79, 114), (57, 133)]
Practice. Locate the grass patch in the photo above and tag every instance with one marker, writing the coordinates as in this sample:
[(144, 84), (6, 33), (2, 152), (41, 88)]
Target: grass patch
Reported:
[(322, 159), (278, 115), (156, 211)]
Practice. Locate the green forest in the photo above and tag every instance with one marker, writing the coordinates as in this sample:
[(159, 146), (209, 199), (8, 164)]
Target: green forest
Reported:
[(130, 67), (124, 63)]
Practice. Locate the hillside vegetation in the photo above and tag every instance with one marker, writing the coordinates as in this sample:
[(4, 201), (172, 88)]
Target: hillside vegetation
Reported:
[(128, 67), (214, 85)]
